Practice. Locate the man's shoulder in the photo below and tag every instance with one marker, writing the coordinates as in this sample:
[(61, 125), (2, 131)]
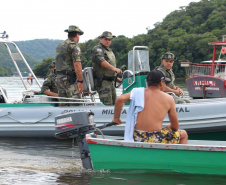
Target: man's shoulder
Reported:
[(161, 68), (97, 49), (136, 92), (168, 98), (52, 75), (138, 89), (66, 43)]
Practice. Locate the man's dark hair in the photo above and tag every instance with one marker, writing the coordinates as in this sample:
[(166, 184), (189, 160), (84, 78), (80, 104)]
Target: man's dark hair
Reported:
[(72, 34)]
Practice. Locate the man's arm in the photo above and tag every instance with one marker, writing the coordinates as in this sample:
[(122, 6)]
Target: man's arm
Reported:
[(78, 71), (49, 93), (118, 106), (176, 90), (172, 114)]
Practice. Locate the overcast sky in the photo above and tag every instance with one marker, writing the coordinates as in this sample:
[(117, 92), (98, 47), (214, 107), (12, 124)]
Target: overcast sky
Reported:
[(38, 19)]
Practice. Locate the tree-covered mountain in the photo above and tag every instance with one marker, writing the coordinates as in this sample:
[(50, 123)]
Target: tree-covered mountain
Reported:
[(6, 61), (34, 52), (184, 32), (39, 48)]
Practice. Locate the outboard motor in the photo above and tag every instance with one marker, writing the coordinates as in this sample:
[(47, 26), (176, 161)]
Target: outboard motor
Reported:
[(72, 124), (77, 125)]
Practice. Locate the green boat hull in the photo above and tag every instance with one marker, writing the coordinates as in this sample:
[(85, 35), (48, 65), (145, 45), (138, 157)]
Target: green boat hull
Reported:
[(195, 159)]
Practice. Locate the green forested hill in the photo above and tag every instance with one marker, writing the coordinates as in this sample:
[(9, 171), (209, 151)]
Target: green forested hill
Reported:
[(34, 52), (39, 48), (185, 32), (7, 66)]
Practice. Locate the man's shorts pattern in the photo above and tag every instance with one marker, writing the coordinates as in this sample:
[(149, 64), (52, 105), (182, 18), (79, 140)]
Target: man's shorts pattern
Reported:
[(166, 135)]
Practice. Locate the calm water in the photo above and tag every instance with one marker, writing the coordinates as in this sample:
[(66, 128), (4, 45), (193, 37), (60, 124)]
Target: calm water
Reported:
[(52, 161)]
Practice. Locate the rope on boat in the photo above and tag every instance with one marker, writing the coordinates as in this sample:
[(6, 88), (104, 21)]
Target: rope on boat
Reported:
[(100, 132), (9, 113)]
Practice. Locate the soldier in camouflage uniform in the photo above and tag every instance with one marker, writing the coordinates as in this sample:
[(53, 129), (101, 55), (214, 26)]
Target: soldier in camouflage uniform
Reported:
[(166, 68), (49, 86), (68, 66), (104, 67)]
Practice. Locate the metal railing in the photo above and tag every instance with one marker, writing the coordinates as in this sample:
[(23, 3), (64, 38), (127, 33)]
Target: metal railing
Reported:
[(199, 69)]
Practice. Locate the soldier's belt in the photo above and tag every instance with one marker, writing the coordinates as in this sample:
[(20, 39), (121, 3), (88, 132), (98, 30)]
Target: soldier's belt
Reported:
[(108, 78), (64, 72)]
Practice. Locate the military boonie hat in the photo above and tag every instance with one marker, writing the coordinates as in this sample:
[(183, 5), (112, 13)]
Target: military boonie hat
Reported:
[(107, 35), (73, 28), (52, 64), (155, 76), (168, 55)]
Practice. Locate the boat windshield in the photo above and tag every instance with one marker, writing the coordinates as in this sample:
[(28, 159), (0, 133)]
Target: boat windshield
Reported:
[(141, 61)]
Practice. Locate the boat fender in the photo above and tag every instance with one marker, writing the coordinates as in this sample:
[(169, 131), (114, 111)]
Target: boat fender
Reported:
[(223, 50)]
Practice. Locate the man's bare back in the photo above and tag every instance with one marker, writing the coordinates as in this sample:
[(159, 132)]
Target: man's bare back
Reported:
[(157, 105)]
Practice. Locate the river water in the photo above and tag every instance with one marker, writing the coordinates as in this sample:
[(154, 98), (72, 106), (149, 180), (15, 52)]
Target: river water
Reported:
[(25, 161)]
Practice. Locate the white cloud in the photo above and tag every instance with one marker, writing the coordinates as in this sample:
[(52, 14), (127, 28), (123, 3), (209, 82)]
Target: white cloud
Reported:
[(34, 19)]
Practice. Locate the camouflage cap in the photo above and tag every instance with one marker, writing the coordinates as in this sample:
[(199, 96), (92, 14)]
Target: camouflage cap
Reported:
[(168, 55), (73, 28), (107, 35), (52, 64)]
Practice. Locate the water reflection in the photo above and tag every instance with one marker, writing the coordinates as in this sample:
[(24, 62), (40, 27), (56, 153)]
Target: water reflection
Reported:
[(139, 177), (52, 161)]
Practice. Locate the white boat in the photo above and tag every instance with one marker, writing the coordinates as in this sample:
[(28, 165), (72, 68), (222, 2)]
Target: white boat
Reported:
[(35, 115)]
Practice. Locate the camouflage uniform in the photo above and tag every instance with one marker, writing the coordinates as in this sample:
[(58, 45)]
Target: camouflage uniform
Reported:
[(104, 78), (170, 78), (169, 75), (67, 53), (50, 83)]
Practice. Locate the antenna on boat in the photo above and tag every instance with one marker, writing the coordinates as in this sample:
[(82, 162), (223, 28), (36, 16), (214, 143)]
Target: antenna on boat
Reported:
[(4, 35)]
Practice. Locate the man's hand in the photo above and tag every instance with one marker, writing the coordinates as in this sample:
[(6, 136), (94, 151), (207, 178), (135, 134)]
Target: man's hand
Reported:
[(179, 91), (119, 80), (80, 87), (118, 71)]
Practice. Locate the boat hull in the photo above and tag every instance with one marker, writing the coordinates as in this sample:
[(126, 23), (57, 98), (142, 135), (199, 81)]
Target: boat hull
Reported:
[(202, 119), (206, 87), (111, 154)]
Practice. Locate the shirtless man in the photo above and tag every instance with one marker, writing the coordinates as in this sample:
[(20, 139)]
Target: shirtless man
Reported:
[(148, 124)]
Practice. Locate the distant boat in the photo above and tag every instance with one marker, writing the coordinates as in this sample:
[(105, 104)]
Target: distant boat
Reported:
[(208, 78)]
